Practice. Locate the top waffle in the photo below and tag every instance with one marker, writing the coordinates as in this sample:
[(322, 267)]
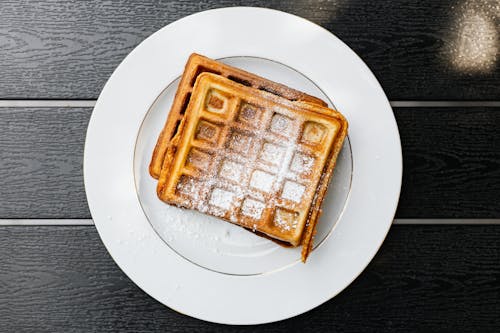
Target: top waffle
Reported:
[(253, 158), (196, 65)]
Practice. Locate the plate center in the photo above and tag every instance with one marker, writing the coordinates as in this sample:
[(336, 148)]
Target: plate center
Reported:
[(210, 242)]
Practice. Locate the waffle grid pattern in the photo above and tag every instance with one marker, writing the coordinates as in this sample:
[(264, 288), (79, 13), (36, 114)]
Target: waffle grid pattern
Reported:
[(252, 165)]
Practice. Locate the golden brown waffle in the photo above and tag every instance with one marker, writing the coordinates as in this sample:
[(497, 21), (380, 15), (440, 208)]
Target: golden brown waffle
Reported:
[(253, 159), (196, 65)]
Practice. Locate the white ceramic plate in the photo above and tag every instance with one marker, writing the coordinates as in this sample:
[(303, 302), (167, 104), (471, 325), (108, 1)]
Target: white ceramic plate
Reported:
[(207, 268)]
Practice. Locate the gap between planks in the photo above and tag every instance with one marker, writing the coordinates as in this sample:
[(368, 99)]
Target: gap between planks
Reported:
[(11, 103), (83, 222)]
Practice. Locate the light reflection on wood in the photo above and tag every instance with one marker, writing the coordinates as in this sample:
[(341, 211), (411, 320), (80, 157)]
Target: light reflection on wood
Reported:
[(474, 44)]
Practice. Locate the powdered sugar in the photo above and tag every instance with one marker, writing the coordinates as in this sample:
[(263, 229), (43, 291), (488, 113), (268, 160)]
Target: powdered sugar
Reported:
[(189, 186), (252, 208), (272, 153), (231, 170), (281, 124), (262, 180), (286, 220), (251, 165), (293, 191), (221, 198), (302, 163), (239, 142)]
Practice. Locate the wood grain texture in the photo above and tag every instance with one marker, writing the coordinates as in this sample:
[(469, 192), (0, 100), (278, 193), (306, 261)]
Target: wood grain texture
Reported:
[(451, 161), (66, 50), (41, 162), (61, 279)]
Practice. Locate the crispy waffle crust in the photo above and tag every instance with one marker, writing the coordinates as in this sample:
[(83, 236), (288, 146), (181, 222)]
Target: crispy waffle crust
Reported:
[(253, 158), (196, 65), (327, 173)]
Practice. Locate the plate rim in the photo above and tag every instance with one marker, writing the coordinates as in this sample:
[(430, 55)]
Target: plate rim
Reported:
[(102, 222)]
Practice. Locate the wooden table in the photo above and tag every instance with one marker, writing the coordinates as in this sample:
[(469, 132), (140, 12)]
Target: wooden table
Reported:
[(439, 268)]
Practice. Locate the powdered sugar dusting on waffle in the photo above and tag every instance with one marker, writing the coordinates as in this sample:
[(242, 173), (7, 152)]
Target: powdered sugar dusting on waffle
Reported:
[(221, 198), (262, 180), (285, 219), (231, 171), (293, 191), (252, 208), (302, 163), (261, 157)]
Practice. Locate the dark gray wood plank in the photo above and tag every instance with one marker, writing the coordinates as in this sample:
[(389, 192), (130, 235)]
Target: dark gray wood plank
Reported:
[(61, 279), (451, 162), (41, 162), (428, 49)]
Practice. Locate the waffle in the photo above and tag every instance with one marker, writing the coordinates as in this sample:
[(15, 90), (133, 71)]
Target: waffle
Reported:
[(196, 65), (254, 159)]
